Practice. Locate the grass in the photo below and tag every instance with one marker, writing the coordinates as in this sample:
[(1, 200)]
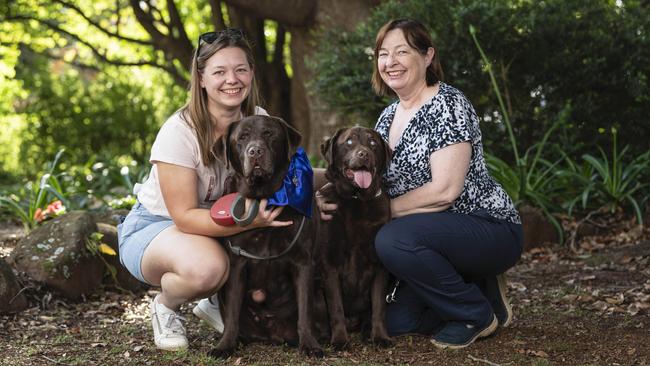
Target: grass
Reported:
[(549, 329), (596, 260)]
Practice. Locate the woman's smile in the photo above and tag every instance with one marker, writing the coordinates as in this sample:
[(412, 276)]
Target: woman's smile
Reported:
[(231, 91)]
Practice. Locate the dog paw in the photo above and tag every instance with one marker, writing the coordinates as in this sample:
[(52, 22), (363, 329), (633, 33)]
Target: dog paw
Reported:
[(339, 341), (339, 345), (221, 353), (383, 341), (311, 350)]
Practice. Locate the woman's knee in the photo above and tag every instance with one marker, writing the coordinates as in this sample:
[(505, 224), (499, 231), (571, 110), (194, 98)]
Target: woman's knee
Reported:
[(394, 252), (206, 271), (206, 277), (385, 242)]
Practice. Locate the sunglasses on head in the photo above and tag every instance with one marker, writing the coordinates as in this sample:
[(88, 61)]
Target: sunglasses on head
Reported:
[(228, 33), (234, 34)]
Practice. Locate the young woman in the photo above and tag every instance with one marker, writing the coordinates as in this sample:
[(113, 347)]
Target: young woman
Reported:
[(168, 238)]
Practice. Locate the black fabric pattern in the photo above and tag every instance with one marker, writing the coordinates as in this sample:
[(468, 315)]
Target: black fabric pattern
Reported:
[(448, 118)]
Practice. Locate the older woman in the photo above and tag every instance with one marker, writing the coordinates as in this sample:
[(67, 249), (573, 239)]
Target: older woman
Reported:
[(455, 230)]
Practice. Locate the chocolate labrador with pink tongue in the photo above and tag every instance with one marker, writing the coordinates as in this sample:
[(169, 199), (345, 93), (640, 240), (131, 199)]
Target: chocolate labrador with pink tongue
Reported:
[(354, 280)]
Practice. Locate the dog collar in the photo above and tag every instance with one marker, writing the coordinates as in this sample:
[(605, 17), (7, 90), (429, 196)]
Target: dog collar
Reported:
[(297, 186), (356, 197)]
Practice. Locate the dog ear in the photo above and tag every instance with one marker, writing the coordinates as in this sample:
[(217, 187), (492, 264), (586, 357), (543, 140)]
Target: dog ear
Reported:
[(221, 148), (327, 147), (293, 137)]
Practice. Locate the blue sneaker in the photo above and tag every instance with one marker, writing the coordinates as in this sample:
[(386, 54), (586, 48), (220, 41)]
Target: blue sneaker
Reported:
[(456, 335)]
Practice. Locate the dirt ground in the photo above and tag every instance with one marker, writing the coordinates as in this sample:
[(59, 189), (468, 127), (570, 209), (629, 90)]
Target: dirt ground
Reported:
[(586, 308)]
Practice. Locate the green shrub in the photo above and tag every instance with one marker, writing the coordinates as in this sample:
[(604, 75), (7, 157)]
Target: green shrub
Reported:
[(593, 54), (28, 205), (612, 182)]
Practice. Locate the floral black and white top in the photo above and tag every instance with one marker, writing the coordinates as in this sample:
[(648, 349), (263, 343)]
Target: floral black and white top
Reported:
[(448, 118)]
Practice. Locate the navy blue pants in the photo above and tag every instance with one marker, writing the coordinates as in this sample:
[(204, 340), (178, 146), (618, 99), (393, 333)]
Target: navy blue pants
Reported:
[(440, 258)]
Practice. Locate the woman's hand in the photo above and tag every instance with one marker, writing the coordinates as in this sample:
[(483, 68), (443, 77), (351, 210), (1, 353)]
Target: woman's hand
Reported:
[(266, 218), (325, 207)]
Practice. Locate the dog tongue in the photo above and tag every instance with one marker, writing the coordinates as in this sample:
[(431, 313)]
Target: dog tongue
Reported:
[(362, 178)]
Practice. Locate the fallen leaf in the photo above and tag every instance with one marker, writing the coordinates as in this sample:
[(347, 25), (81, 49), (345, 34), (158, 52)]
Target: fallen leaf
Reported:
[(137, 348), (570, 297), (106, 249), (518, 286), (585, 298), (600, 305), (541, 354), (619, 299)]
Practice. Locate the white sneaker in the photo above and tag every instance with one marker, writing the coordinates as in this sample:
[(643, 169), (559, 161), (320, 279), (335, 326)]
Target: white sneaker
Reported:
[(168, 329), (209, 312)]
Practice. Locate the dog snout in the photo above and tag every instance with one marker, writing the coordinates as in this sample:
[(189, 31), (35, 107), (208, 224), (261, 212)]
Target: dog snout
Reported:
[(255, 151)]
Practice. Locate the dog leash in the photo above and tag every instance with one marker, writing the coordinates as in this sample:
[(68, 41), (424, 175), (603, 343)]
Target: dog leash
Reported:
[(237, 211), (391, 298), (243, 253)]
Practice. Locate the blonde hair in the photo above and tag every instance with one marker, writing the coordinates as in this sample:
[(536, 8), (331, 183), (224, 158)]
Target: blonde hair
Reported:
[(195, 112), (417, 36)]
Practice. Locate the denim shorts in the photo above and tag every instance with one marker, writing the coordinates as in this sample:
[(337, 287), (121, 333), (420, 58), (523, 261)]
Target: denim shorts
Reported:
[(135, 233)]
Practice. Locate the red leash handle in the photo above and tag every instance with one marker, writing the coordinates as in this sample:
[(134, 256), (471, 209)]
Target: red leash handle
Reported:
[(220, 211), (229, 210)]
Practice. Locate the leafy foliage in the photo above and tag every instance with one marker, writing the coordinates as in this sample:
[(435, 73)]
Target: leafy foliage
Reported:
[(29, 203), (89, 113), (594, 55), (531, 179), (612, 182), (95, 186)]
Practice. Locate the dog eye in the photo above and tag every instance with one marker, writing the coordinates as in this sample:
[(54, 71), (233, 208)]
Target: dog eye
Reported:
[(267, 133), (243, 136), (348, 141), (372, 142)]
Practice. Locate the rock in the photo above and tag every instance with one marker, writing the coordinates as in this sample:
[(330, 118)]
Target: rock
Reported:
[(11, 299), (124, 279), (56, 255), (538, 230), (110, 217)]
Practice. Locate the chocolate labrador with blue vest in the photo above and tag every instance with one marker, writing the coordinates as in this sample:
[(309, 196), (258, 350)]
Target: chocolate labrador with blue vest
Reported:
[(268, 295), (354, 280)]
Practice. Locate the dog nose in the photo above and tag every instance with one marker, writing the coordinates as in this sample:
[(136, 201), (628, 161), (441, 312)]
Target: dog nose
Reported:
[(362, 154), (255, 151)]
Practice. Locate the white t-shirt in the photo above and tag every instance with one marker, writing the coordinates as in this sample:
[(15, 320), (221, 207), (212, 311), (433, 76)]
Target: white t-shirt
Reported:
[(176, 143)]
